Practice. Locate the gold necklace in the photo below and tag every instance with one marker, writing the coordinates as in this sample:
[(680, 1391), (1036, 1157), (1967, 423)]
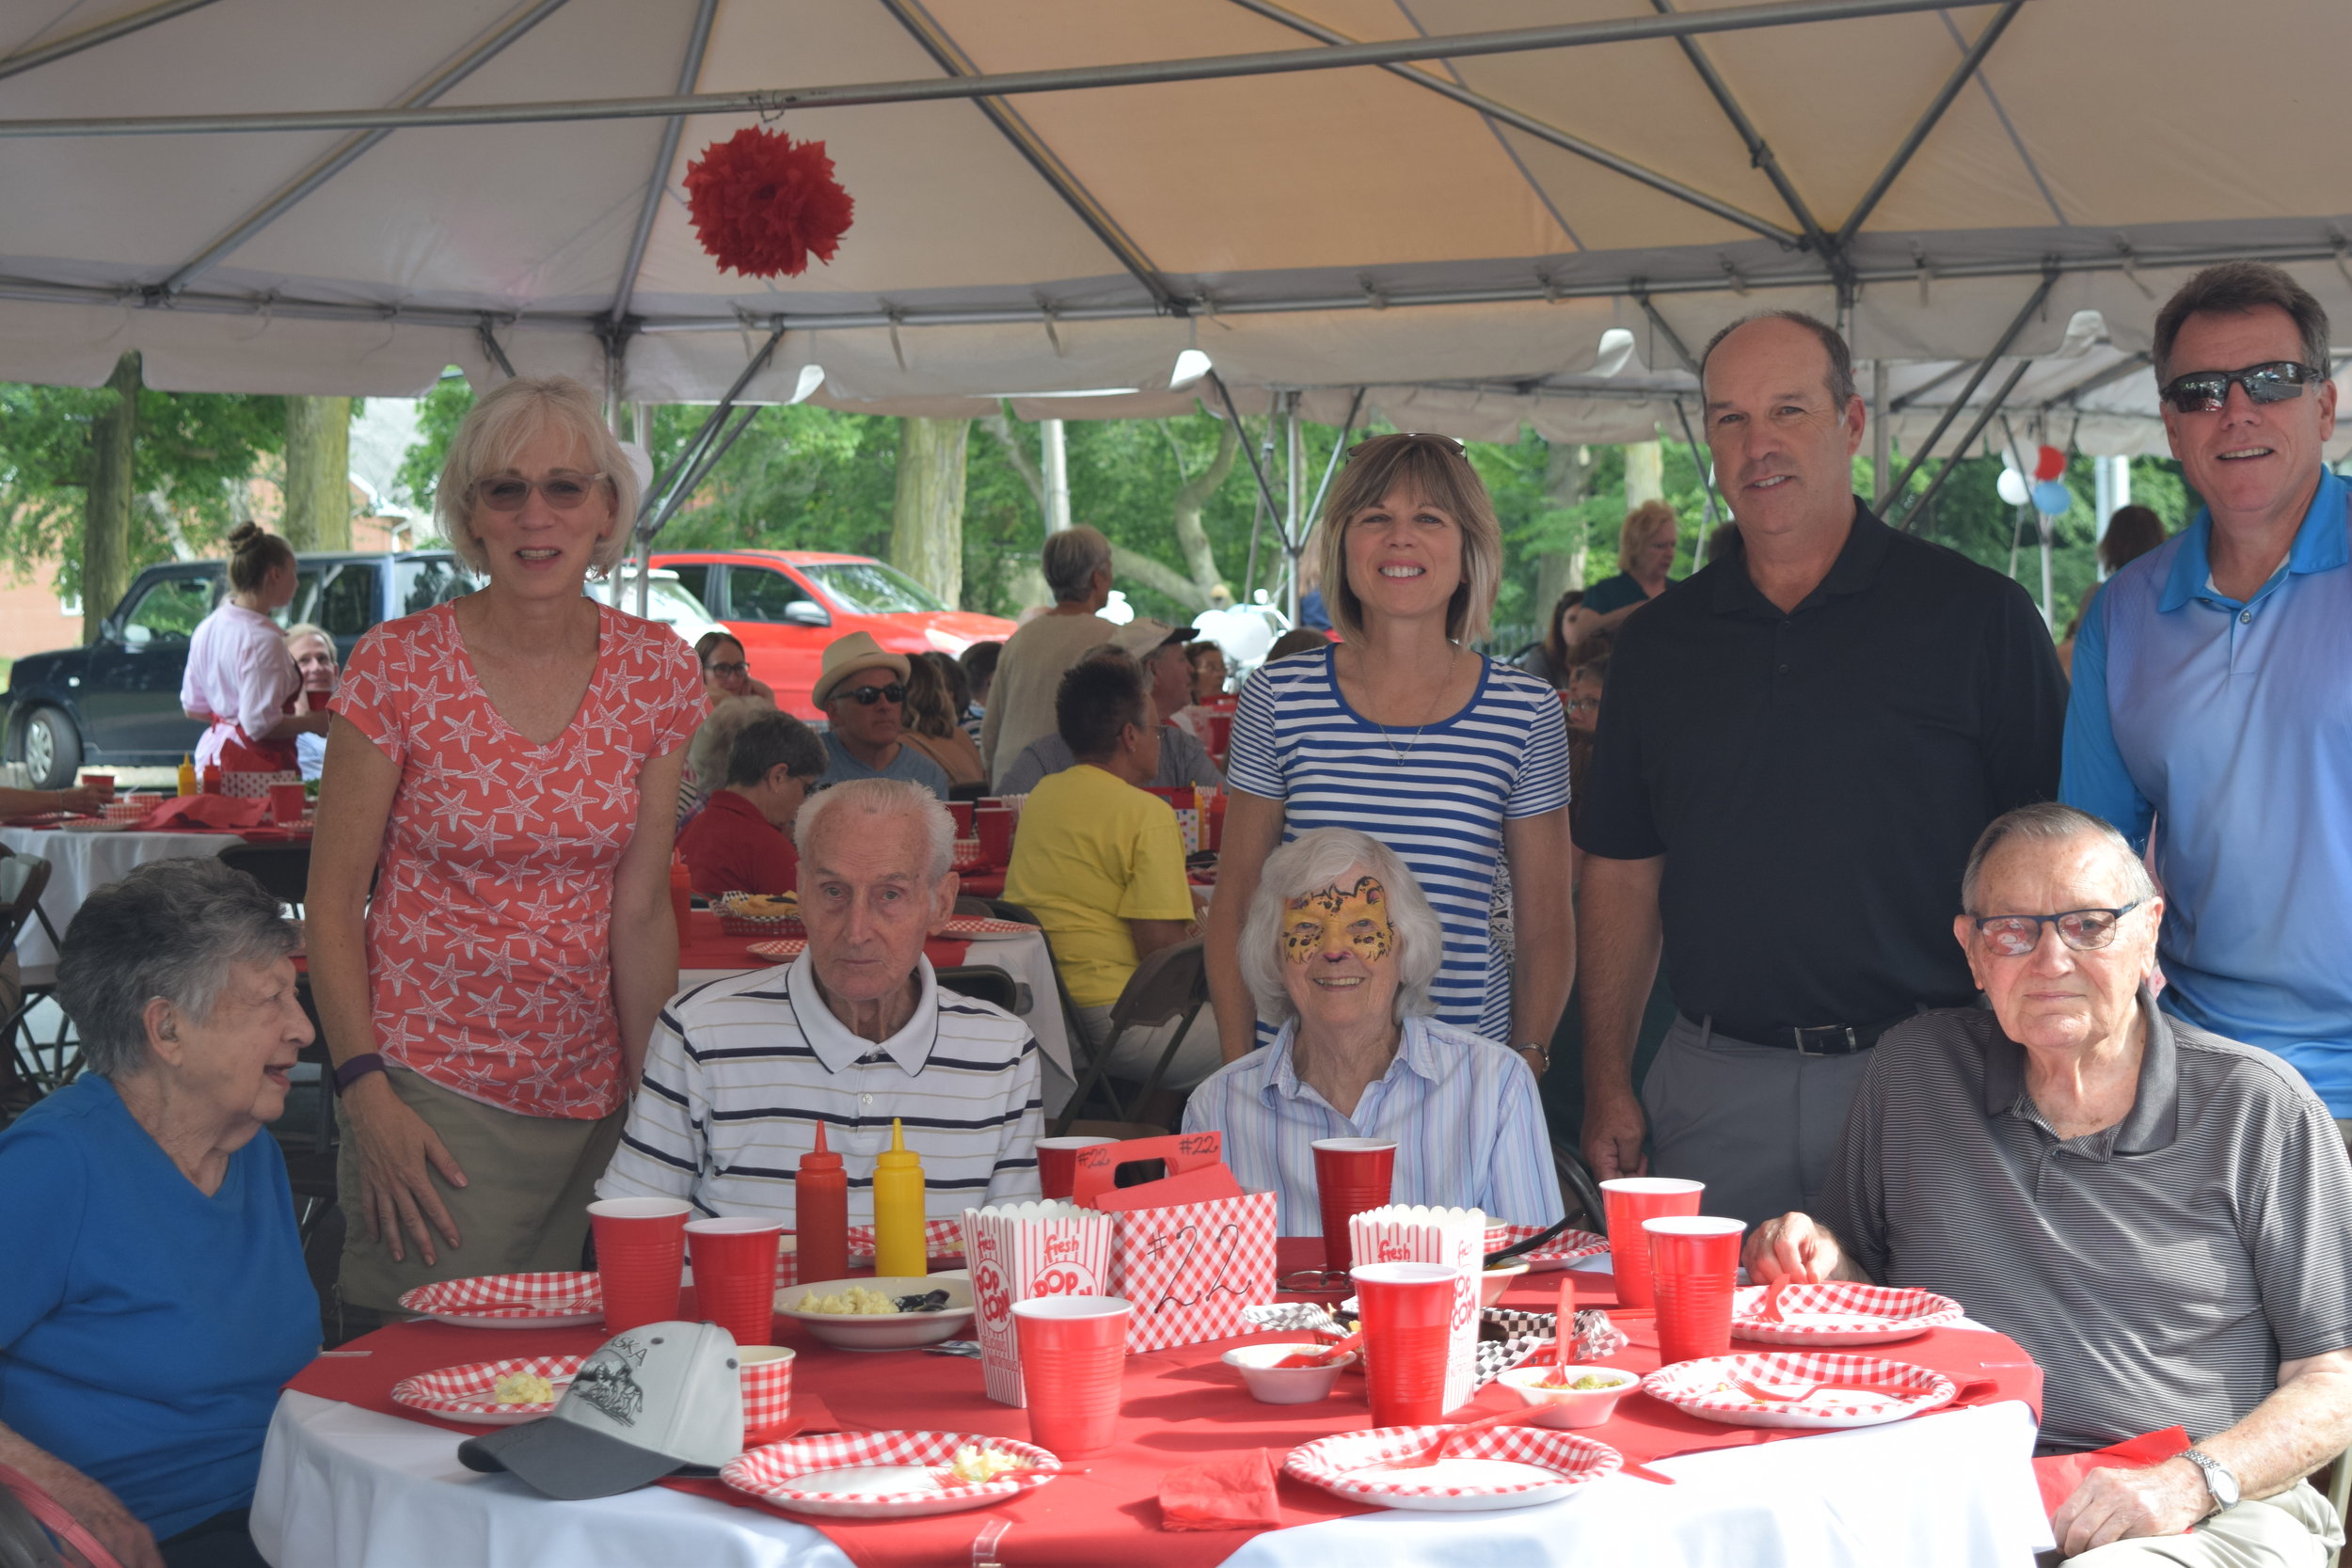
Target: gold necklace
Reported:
[(1444, 685)]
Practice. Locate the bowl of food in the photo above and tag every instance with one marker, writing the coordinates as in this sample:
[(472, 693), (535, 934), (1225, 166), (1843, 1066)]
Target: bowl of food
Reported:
[(759, 915), (1494, 1281), (1570, 1396), (1278, 1374), (887, 1312)]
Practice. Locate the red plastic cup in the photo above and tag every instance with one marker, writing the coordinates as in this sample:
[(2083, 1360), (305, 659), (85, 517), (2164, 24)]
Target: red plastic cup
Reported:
[(640, 1250), (994, 824), (103, 783), (1057, 1163), (766, 1373), (1629, 1200), (288, 803), (1351, 1176), (734, 1274), (962, 812), (1409, 1326), (1073, 1352), (1694, 1261)]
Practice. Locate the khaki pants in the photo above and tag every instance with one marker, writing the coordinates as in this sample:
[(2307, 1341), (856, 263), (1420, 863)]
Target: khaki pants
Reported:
[(523, 1210), (2295, 1529)]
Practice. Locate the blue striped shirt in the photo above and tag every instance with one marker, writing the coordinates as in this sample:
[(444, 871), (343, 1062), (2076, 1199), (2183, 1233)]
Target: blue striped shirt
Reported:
[(1468, 1128), (1439, 798)]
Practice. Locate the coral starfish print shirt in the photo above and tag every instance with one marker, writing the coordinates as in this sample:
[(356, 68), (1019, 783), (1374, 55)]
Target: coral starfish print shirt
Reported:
[(490, 932)]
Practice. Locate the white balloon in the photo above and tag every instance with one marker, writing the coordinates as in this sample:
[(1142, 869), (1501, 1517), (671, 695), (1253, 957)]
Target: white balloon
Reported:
[(2014, 487)]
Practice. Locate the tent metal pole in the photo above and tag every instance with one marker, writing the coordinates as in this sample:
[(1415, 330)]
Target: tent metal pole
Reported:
[(1674, 339), (1339, 454), (1273, 62), (690, 71), (487, 337), (2093, 383), (1942, 100), (694, 445), (1266, 490), (1293, 535), (1881, 434), (1919, 510), (90, 38), (1519, 119), (2049, 280), (1759, 150), (1707, 476), (1951, 372), (692, 481), (485, 49)]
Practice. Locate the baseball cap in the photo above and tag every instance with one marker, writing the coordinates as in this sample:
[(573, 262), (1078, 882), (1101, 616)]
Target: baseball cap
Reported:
[(648, 1403), (1142, 637)]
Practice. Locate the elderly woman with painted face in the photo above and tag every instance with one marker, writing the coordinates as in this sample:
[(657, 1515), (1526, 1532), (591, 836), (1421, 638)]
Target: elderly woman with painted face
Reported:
[(156, 1297), (506, 766), (1339, 949)]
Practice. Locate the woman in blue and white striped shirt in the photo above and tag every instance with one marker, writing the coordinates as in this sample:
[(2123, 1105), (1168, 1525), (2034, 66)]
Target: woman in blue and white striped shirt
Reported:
[(1455, 762)]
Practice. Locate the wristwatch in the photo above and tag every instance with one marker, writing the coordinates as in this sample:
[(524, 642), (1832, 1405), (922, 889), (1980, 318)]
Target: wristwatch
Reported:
[(2219, 1481)]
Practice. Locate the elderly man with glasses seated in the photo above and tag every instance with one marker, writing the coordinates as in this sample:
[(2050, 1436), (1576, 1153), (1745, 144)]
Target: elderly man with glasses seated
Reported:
[(2162, 1217), (862, 690)]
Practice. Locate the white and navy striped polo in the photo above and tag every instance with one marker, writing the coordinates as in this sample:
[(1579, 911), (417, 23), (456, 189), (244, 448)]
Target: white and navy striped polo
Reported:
[(741, 1071)]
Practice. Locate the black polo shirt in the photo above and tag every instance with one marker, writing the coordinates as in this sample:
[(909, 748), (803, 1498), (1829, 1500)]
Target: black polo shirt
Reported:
[(1815, 779)]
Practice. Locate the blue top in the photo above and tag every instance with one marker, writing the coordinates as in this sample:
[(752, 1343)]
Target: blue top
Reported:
[(1468, 1127), (144, 1327), (909, 764), (1616, 592), (2230, 724), (1437, 797)]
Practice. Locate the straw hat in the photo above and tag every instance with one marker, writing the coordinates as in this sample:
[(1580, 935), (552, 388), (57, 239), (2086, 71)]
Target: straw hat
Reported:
[(846, 655)]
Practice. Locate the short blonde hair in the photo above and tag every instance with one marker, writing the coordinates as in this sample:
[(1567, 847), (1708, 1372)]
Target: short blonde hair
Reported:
[(301, 630), (1315, 859), (498, 427), (1437, 467), (1641, 527)]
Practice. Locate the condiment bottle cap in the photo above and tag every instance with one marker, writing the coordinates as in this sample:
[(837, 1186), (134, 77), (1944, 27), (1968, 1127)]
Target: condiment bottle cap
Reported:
[(820, 1157)]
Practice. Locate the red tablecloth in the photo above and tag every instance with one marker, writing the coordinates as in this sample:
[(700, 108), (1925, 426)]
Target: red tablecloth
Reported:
[(1179, 1405), (703, 945)]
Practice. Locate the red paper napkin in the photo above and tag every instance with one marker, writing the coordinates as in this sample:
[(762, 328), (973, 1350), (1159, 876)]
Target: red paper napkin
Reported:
[(1233, 1492), (2058, 1474), (207, 811)]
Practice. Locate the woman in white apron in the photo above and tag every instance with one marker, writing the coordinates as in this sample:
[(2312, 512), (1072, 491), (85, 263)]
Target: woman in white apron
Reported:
[(241, 681)]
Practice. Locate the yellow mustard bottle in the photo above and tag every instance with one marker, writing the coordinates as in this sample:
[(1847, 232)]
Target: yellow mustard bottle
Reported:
[(187, 774), (899, 1248)]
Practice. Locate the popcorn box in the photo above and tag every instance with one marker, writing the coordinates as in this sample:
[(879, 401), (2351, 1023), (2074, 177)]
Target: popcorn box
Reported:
[(1021, 1250), (254, 787), (1189, 1251), (1410, 1233)]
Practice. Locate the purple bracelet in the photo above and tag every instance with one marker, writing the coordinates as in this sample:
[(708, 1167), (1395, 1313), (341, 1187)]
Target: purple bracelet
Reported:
[(356, 1069)]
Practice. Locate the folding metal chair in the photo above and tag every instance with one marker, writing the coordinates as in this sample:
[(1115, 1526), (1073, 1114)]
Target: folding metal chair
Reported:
[(22, 880), (282, 869), (982, 983), (1578, 1187), (1171, 984)]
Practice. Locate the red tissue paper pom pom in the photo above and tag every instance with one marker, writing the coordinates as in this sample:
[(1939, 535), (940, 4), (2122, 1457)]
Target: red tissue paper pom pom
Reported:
[(763, 204)]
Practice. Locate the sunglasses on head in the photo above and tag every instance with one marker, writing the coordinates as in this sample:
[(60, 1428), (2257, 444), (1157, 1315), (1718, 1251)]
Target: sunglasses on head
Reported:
[(2207, 392), (1382, 443), (512, 492), (866, 696)]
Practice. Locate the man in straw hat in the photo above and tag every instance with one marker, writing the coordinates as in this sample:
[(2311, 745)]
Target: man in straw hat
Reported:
[(863, 689)]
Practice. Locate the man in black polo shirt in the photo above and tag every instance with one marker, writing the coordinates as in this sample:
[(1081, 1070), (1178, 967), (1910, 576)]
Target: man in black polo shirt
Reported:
[(1798, 747)]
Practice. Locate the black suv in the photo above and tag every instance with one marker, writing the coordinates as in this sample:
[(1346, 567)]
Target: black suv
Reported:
[(116, 703)]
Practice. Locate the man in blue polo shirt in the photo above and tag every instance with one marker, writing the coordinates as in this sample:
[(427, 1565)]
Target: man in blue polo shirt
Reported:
[(2212, 682)]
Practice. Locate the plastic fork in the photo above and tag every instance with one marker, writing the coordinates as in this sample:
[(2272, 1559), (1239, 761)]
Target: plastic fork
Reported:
[(1772, 1298), (984, 1544), (1767, 1394), (1436, 1450)]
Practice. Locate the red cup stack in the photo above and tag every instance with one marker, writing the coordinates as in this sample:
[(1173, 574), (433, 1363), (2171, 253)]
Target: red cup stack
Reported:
[(993, 823), (289, 803), (734, 1274), (1074, 1351), (1351, 1176), (962, 812), (1057, 1164), (1408, 1327), (766, 1373), (1695, 1262), (641, 1252), (1630, 1200)]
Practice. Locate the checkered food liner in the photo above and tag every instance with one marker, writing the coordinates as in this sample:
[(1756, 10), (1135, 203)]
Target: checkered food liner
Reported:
[(470, 1390), (1596, 1338), (1707, 1385), (520, 1296), (794, 1472), (940, 1239), (1564, 1247), (1335, 1464), (1839, 1310)]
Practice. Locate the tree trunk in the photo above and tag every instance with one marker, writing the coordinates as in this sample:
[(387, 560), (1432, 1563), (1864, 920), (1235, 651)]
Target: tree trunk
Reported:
[(927, 518), (1644, 472), (1192, 539), (1568, 473), (1028, 581), (106, 524), (318, 473)]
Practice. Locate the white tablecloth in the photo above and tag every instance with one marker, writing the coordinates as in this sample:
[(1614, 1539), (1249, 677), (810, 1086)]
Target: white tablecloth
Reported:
[(81, 862), (342, 1487)]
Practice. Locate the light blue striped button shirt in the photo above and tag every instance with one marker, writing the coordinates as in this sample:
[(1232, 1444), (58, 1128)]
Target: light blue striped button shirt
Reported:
[(1468, 1128)]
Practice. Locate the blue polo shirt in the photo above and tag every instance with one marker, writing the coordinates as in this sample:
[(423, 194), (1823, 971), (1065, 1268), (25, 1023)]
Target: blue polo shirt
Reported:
[(910, 765), (2228, 724)]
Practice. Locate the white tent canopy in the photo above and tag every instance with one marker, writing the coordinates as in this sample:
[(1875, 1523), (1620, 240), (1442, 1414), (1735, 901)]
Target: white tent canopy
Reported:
[(1458, 233)]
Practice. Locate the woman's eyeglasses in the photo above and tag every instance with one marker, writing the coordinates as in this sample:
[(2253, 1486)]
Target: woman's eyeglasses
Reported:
[(727, 671), (866, 696), (2014, 936), (2207, 392), (512, 493)]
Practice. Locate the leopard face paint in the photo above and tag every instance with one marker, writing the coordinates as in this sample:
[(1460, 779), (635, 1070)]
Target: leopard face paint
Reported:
[(1355, 920)]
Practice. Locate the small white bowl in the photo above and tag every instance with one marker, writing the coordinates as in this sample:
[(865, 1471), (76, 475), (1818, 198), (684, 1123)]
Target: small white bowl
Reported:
[(885, 1330), (1569, 1407), (1272, 1385), (1492, 1283)]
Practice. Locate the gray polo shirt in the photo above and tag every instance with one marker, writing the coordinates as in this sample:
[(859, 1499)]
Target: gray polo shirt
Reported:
[(2159, 1270), (909, 764), (1183, 761)]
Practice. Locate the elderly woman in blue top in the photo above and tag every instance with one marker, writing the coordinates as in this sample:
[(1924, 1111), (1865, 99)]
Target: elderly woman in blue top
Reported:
[(153, 1296), (1339, 949)]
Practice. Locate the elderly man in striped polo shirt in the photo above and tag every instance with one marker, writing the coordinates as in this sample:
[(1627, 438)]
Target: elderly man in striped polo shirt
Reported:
[(853, 1033), (2163, 1217)]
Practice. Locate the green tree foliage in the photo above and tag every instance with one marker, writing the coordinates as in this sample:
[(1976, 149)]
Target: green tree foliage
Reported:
[(196, 450)]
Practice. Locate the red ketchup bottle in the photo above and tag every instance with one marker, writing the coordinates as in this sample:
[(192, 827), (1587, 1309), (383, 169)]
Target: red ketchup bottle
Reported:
[(821, 1204)]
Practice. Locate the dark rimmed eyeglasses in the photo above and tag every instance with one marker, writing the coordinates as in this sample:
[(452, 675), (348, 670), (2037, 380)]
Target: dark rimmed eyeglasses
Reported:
[(726, 670), (2207, 392), (2014, 936), (512, 492), (1414, 438), (866, 696)]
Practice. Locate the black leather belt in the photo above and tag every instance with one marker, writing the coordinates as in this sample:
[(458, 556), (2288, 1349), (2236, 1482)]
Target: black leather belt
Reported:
[(1821, 1039)]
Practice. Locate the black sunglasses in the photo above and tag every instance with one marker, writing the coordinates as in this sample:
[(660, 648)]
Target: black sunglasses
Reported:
[(866, 696), (2207, 392)]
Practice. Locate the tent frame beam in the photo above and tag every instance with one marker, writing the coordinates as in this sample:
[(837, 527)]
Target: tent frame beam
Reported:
[(1960, 76), (690, 71), (662, 498), (1760, 153), (1919, 509), (90, 38), (1277, 62), (1984, 367), (2113, 373)]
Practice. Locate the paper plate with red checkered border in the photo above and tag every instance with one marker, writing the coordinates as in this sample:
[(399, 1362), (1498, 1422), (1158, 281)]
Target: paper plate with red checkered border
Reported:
[(882, 1475), (977, 927), (1841, 1312), (571, 1300), (782, 952), (943, 1240), (469, 1393), (1499, 1467), (1707, 1389), (1558, 1253)]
